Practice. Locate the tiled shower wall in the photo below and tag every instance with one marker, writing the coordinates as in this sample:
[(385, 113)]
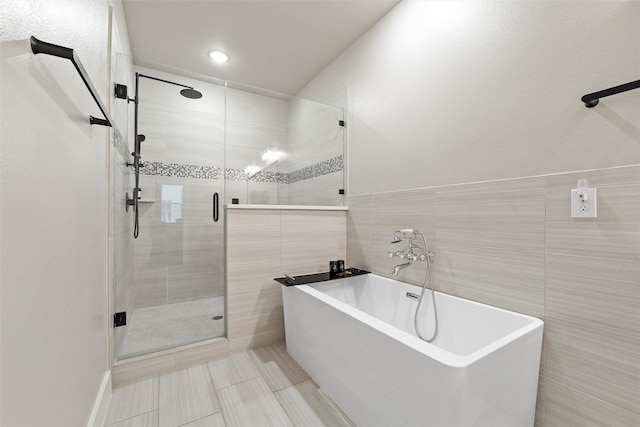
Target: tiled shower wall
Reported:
[(254, 121), (513, 244), (178, 259), (321, 190), (178, 254)]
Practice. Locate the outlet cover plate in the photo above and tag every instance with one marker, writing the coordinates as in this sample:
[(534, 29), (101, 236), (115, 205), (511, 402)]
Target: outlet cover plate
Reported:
[(588, 209)]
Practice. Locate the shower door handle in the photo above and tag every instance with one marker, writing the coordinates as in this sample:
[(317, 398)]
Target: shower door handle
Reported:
[(216, 207)]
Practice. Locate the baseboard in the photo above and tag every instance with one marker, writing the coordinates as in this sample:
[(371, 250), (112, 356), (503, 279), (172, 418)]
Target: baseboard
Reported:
[(101, 404)]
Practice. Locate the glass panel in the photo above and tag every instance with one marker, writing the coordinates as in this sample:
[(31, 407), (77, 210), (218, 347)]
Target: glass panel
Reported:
[(264, 185), (122, 250), (177, 295), (315, 164), (283, 150)]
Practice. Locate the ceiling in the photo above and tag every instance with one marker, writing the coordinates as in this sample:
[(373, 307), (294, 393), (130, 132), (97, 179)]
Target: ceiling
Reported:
[(279, 45)]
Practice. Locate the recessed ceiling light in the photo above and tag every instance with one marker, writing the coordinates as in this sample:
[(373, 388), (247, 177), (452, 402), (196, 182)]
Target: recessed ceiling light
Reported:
[(218, 56)]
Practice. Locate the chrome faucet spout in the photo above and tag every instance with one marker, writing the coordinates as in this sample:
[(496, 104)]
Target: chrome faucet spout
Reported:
[(395, 270)]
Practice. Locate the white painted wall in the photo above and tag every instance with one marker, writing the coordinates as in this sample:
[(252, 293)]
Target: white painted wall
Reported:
[(447, 92), (53, 216)]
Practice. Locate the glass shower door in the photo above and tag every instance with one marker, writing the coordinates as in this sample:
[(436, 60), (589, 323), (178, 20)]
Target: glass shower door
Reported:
[(176, 292)]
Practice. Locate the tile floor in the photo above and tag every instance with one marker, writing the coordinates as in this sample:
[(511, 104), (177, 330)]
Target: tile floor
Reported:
[(172, 325), (260, 387)]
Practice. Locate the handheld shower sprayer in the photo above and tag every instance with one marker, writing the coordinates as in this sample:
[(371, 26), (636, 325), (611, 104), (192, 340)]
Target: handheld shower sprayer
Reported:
[(423, 254), (410, 233), (139, 139), (405, 233)]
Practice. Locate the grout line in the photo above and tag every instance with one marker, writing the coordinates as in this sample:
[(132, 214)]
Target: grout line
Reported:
[(131, 417), (201, 418), (492, 181), (283, 409), (573, 255), (590, 396), (290, 385), (224, 419), (158, 393), (543, 356), (241, 382)]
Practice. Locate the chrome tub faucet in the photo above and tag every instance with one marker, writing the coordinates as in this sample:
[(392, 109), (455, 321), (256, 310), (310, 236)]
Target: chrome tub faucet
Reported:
[(409, 253)]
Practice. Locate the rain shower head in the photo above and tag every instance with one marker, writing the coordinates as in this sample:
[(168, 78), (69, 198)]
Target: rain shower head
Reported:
[(191, 93), (187, 92)]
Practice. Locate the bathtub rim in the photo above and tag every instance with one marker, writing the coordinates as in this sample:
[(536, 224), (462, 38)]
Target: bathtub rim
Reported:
[(440, 355)]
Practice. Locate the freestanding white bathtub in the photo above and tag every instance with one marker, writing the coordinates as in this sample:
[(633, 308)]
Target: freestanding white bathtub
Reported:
[(355, 338)]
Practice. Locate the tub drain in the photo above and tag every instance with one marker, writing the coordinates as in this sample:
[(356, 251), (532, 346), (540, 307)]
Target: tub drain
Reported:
[(216, 317)]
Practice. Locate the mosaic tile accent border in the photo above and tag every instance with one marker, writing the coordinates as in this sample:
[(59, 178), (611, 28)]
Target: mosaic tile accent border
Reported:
[(323, 168), (212, 172), (120, 145), (235, 175), (181, 171), (273, 177)]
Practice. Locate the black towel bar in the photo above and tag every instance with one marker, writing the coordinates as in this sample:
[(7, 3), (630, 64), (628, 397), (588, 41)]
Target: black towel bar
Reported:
[(38, 46), (591, 99)]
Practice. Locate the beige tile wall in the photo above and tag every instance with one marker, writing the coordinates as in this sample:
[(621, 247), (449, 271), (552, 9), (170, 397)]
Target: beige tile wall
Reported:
[(263, 244), (513, 244)]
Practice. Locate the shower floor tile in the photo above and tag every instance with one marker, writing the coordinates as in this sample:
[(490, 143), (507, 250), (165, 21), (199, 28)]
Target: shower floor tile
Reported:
[(167, 326)]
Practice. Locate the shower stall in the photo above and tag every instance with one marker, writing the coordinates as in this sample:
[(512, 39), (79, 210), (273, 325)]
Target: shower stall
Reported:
[(235, 144)]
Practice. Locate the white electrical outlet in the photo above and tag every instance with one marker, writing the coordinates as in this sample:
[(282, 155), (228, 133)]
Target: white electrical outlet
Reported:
[(584, 209)]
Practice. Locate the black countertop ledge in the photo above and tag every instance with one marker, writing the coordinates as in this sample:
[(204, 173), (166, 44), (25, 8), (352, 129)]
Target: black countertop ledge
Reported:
[(319, 277)]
